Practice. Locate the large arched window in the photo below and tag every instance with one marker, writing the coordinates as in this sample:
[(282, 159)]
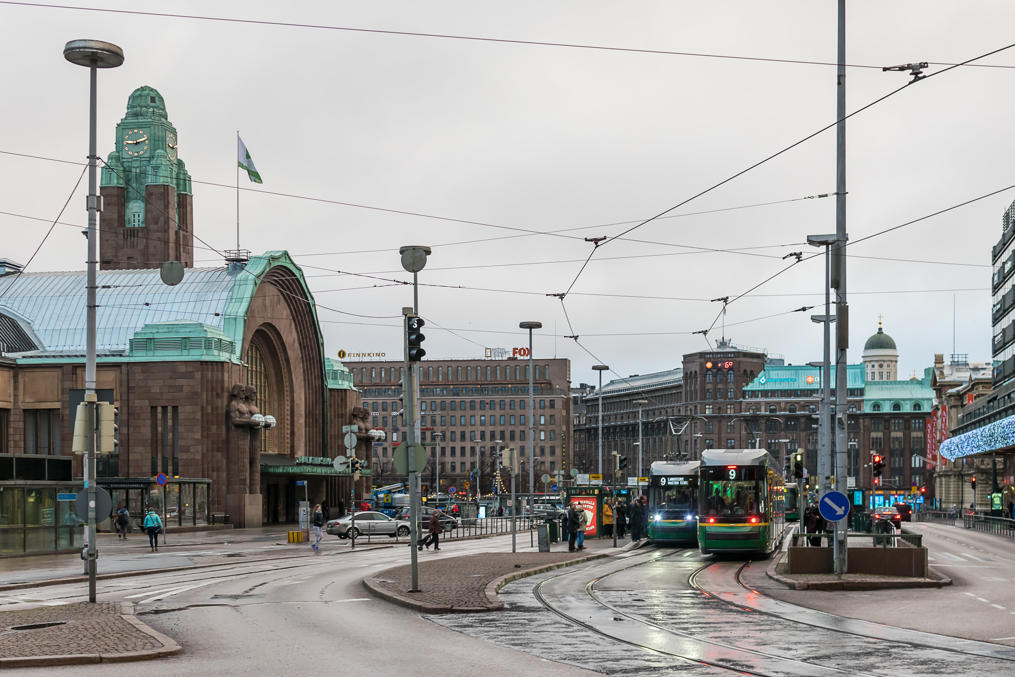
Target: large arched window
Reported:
[(265, 373)]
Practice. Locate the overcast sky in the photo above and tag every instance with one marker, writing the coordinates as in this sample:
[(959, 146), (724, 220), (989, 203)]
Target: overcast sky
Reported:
[(464, 133)]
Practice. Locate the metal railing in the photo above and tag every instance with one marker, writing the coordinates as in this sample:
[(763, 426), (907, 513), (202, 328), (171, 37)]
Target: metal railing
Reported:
[(969, 519), (889, 537), (467, 528)]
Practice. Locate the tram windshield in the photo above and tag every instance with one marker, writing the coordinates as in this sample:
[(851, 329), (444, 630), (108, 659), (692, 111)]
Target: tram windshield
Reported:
[(735, 491), (674, 493)]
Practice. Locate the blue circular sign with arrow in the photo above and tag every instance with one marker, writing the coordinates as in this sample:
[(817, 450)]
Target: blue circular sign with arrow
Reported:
[(834, 506)]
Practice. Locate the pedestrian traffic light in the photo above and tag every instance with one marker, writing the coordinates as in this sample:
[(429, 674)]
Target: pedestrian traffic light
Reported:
[(415, 337), (108, 428), (877, 465), (798, 466)]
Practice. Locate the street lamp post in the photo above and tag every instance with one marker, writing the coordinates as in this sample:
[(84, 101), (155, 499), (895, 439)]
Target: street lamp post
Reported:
[(600, 368), (825, 460), (641, 472), (532, 412), (93, 54)]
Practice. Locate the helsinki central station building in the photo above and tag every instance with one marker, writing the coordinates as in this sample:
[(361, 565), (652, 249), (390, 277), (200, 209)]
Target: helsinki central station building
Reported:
[(197, 370)]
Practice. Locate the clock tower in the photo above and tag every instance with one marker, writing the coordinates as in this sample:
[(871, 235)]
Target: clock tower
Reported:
[(147, 203)]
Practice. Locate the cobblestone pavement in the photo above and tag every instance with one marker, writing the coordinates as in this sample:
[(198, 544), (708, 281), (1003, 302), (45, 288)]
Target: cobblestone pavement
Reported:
[(104, 631)]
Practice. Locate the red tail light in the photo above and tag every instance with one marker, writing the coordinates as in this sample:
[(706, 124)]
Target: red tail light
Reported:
[(753, 520), (711, 520)]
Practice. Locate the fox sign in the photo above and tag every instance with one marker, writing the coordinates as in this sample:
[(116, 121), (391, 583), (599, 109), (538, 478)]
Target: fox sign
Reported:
[(519, 352)]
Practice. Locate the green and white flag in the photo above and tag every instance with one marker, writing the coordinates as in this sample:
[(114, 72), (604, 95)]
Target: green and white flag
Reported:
[(246, 162)]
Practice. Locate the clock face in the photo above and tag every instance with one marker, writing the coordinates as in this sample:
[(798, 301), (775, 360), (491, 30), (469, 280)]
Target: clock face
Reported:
[(135, 142), (171, 146)]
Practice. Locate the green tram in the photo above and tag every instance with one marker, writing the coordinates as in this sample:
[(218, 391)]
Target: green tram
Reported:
[(673, 503), (740, 502)]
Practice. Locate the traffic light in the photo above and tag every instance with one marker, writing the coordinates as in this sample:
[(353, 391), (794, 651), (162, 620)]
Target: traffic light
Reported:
[(509, 460), (355, 465), (877, 465), (622, 463), (415, 337), (972, 483), (81, 429), (923, 490), (798, 466), (616, 460), (108, 428)]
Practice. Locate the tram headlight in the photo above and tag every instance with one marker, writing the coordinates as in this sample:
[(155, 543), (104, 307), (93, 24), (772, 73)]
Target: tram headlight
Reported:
[(657, 517), (690, 517)]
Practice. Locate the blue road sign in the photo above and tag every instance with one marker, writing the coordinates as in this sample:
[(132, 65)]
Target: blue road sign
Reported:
[(161, 479), (301, 483), (834, 506), (452, 490), (554, 487), (66, 497)]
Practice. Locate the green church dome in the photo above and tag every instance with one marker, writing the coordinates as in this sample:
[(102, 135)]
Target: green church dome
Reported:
[(880, 341)]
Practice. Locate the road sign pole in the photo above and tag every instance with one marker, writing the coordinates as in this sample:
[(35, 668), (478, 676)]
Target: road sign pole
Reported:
[(411, 442)]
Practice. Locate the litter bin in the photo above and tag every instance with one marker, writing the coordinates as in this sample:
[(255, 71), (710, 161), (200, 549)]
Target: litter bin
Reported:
[(543, 536), (551, 524)]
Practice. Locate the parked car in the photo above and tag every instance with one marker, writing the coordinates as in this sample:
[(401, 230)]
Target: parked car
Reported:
[(448, 522), (370, 522)]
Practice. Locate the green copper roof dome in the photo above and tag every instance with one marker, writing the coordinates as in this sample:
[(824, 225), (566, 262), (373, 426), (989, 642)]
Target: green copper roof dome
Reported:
[(146, 102), (880, 341)]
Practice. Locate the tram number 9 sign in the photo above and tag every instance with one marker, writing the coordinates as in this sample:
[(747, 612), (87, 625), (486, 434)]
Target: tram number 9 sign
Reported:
[(722, 364)]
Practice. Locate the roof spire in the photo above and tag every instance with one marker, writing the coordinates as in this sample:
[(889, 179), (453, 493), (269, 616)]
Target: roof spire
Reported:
[(880, 317)]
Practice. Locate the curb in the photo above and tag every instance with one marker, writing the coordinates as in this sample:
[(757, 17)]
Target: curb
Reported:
[(936, 580), (169, 647), (83, 578), (490, 591)]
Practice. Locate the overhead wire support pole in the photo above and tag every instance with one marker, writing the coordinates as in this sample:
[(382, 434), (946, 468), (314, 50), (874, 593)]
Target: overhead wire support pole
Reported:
[(839, 278)]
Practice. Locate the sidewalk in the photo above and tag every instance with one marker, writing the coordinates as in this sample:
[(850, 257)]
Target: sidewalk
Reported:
[(105, 632), (470, 583)]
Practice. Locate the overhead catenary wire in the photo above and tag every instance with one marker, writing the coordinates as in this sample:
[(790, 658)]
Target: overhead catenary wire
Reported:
[(786, 149), (473, 38)]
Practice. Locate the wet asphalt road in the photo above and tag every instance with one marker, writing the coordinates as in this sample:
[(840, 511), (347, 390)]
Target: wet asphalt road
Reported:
[(677, 610)]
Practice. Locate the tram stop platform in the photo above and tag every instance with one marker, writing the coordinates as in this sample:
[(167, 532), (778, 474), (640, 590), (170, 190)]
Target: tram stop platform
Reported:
[(469, 583)]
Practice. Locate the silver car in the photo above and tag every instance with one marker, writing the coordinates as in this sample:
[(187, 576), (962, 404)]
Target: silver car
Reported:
[(370, 523)]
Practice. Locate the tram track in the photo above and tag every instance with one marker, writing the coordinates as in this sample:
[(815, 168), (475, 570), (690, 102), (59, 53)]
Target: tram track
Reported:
[(697, 650), (872, 649)]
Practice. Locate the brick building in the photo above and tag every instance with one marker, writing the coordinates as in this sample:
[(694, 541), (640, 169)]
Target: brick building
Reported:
[(220, 381), (471, 409)]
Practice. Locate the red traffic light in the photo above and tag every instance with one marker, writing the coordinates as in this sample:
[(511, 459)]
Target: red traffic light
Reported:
[(923, 490), (877, 458)]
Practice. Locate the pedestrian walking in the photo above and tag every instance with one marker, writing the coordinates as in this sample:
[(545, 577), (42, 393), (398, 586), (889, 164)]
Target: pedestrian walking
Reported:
[(635, 518), (153, 527), (318, 523), (122, 520), (324, 509), (583, 524), (620, 518), (572, 527), (814, 523), (436, 529), (643, 526)]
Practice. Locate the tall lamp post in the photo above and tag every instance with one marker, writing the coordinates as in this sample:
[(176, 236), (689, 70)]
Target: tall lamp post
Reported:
[(600, 368), (532, 412), (641, 473), (93, 54)]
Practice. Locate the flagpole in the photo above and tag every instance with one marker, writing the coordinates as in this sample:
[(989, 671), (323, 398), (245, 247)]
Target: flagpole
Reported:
[(237, 194)]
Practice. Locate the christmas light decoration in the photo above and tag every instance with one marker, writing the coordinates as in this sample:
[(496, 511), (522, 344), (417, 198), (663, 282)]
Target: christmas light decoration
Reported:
[(991, 437)]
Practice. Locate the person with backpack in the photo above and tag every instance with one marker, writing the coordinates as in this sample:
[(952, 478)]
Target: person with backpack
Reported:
[(318, 522), (122, 520), (153, 526), (583, 524)]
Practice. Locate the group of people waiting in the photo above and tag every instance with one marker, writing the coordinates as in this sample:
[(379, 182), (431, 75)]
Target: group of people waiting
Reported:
[(616, 515)]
